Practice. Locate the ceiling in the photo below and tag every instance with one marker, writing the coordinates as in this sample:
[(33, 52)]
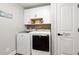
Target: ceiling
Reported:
[(32, 5)]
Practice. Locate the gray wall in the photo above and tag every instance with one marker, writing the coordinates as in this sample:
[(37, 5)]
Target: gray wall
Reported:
[(9, 27)]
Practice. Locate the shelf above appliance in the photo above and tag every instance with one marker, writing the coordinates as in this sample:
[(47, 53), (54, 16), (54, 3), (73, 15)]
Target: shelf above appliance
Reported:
[(38, 26)]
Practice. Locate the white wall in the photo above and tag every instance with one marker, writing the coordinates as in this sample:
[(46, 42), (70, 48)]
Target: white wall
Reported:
[(9, 27), (53, 26)]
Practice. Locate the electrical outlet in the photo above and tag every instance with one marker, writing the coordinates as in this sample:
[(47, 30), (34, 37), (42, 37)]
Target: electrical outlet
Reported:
[(7, 49)]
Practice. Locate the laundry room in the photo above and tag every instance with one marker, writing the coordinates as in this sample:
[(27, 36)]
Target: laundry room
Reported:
[(39, 29)]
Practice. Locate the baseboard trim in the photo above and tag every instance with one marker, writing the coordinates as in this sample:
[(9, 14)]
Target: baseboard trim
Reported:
[(13, 52)]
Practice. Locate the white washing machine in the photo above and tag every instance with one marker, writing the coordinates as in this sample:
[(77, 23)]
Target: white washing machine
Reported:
[(23, 43)]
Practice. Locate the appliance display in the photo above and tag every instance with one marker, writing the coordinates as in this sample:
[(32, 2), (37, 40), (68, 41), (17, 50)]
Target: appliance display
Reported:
[(40, 42)]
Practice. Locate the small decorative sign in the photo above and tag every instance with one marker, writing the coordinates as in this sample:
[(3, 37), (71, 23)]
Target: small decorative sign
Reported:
[(4, 14)]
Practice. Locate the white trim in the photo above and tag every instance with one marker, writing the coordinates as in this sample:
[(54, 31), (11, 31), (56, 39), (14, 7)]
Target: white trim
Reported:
[(12, 53)]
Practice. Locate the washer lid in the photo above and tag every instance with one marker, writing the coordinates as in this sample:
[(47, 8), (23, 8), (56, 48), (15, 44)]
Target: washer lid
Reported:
[(24, 31)]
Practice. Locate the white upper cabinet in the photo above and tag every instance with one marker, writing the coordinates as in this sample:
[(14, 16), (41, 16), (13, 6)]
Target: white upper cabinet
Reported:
[(39, 12)]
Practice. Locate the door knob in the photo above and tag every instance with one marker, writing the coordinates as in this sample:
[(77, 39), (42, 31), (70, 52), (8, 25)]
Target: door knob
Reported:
[(60, 34), (78, 29)]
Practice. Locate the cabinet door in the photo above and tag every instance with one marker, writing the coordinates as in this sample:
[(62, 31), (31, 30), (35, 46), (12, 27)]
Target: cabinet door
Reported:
[(44, 12), (28, 14)]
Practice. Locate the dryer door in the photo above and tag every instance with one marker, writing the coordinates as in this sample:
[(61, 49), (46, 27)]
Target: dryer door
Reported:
[(40, 42)]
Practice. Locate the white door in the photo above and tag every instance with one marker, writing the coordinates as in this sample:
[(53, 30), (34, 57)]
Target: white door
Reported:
[(65, 29)]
